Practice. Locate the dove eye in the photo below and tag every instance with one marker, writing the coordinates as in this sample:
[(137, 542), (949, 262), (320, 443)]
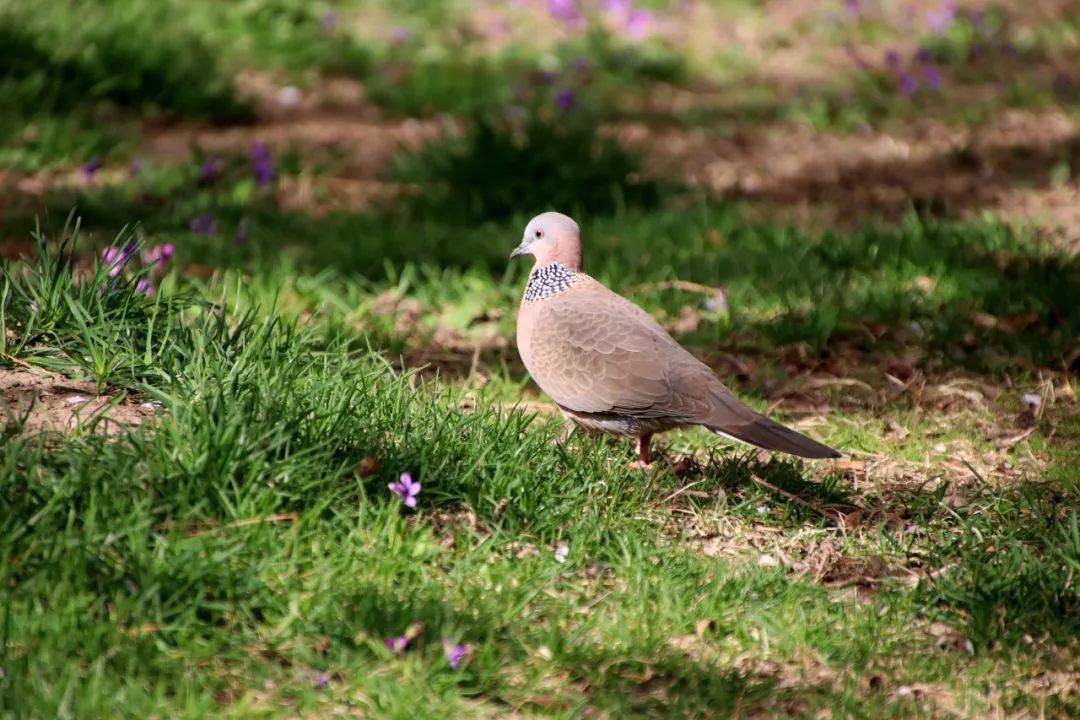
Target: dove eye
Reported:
[(539, 234)]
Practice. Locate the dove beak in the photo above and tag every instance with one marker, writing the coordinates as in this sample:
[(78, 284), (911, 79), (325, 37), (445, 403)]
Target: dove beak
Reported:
[(520, 250)]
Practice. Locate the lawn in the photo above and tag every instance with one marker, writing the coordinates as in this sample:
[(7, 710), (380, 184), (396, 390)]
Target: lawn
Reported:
[(255, 271)]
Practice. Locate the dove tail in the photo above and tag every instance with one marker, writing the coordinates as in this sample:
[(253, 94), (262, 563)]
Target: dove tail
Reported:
[(770, 435)]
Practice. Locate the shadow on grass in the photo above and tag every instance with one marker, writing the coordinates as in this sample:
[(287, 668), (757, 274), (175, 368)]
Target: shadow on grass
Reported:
[(956, 294)]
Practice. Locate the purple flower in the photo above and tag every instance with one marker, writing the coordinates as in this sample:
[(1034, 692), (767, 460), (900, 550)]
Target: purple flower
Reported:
[(455, 653), (136, 167), (144, 286), (932, 76), (908, 84), (329, 21), (203, 224), (892, 60), (115, 258), (406, 489), (89, 170), (638, 24), (978, 21), (262, 167), (565, 11), (940, 18), (396, 644), (546, 77), (322, 680), (400, 35), (565, 100), (241, 236), (923, 54), (158, 254), (717, 302), (618, 8), (209, 171), (852, 7), (111, 257)]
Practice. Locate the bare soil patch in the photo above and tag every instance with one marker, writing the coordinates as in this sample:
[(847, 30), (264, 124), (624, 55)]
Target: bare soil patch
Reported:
[(1006, 166), (44, 402)]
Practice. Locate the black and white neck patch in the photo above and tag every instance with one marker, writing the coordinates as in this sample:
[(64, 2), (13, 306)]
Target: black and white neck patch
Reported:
[(547, 281)]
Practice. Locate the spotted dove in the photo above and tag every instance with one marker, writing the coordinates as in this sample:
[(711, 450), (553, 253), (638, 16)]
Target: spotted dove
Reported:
[(608, 364)]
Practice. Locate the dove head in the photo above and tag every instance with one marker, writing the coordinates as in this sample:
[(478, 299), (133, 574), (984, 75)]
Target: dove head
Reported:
[(552, 237)]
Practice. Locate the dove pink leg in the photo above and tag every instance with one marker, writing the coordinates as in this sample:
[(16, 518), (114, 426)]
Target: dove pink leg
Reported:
[(643, 449)]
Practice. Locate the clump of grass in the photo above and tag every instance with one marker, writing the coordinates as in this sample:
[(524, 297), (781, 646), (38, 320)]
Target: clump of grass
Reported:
[(134, 59), (497, 169), (1013, 568)]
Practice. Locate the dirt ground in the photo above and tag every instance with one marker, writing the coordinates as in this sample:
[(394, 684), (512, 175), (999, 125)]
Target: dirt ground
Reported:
[(37, 401)]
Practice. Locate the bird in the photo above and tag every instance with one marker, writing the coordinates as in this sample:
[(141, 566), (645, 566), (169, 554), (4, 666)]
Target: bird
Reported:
[(609, 365)]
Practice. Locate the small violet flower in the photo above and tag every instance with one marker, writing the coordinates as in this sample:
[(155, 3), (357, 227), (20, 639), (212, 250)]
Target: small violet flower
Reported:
[(565, 11), (329, 21), (617, 8), (262, 167), (940, 18), (209, 171), (932, 76), (159, 254), (455, 653), (892, 60), (406, 489), (242, 230), (144, 286), (717, 302), (565, 100), (635, 23), (397, 644), (115, 258), (546, 77), (638, 24), (203, 224), (89, 170), (322, 680), (909, 84)]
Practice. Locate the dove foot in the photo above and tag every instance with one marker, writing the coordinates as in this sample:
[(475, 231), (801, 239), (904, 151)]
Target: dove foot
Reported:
[(643, 450)]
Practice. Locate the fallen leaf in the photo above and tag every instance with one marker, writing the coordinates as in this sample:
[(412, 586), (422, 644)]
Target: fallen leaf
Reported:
[(853, 519), (851, 467), (368, 466), (683, 464), (688, 321)]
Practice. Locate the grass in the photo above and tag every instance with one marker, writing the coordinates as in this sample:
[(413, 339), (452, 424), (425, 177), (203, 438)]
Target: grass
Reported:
[(223, 555), (974, 294), (194, 512)]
